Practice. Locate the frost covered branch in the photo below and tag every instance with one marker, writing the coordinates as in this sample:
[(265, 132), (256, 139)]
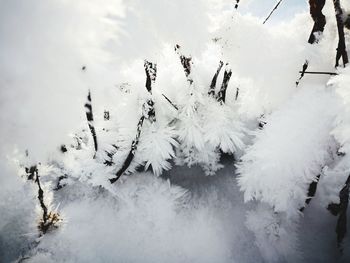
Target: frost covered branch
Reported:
[(211, 91), (49, 219), (131, 154), (151, 74), (186, 64), (148, 112), (221, 97), (90, 119)]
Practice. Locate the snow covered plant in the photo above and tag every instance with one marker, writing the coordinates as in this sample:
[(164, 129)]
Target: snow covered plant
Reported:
[(153, 139), (290, 152), (336, 174), (287, 156), (206, 125)]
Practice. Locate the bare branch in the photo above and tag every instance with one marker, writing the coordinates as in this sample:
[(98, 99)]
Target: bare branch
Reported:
[(341, 49), (171, 103), (319, 73), (316, 7), (273, 10)]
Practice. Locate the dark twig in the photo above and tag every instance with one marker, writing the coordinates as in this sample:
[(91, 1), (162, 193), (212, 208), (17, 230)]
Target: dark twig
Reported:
[(63, 148), (319, 73), (213, 81), (90, 119), (171, 103), (110, 154), (341, 49), (302, 72), (273, 10), (186, 64), (49, 219), (262, 121), (59, 185), (221, 97), (151, 74), (106, 115), (311, 192), (236, 5), (316, 7), (131, 154)]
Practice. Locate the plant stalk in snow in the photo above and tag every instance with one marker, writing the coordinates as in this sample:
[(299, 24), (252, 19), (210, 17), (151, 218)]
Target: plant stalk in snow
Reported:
[(148, 113), (90, 119), (49, 219), (211, 91)]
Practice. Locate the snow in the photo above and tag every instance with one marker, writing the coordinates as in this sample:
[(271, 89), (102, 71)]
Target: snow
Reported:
[(290, 151), (208, 182)]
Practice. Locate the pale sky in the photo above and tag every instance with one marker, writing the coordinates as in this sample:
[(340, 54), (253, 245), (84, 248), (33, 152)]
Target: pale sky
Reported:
[(286, 10)]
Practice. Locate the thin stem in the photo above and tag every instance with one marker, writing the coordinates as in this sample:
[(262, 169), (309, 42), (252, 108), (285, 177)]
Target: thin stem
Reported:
[(273, 10), (171, 103), (319, 73)]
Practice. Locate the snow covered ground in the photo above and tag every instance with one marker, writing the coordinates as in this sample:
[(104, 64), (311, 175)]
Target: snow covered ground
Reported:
[(208, 225)]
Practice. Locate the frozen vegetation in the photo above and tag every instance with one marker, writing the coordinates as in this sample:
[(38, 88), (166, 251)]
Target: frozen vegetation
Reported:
[(174, 131)]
